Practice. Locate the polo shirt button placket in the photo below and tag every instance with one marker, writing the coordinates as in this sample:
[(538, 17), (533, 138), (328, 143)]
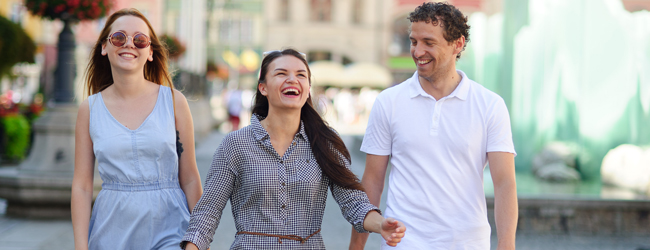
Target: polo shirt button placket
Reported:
[(436, 117)]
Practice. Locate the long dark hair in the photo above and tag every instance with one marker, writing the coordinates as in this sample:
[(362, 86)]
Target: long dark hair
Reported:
[(98, 72), (325, 143)]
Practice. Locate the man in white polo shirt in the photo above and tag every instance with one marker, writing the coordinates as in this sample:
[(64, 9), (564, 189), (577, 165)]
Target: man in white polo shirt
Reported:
[(439, 129)]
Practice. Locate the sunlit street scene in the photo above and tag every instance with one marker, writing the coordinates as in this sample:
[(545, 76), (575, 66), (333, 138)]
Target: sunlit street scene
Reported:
[(572, 78)]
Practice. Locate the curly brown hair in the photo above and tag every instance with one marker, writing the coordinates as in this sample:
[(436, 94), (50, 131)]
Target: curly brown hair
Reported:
[(452, 20)]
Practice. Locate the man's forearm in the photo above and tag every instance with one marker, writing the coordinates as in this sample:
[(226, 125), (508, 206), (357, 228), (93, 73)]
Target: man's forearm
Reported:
[(506, 209), (373, 183), (358, 240), (506, 213)]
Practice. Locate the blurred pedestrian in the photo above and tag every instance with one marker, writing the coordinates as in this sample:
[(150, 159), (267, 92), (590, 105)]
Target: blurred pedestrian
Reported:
[(439, 129), (234, 108), (276, 171), (139, 130)]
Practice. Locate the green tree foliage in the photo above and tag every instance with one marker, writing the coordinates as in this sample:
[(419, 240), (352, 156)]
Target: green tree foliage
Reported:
[(15, 129), (15, 46)]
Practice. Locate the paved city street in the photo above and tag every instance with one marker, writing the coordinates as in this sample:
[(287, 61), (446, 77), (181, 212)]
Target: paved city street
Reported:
[(26, 234)]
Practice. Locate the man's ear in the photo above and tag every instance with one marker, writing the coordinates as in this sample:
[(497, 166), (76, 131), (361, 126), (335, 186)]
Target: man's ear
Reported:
[(459, 44)]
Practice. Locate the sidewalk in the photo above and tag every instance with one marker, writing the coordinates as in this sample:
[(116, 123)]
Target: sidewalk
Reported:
[(26, 234)]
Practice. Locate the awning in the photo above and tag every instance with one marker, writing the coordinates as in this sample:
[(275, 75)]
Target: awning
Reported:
[(328, 73), (367, 75)]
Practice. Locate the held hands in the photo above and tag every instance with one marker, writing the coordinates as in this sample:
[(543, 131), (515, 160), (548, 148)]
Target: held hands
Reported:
[(392, 231)]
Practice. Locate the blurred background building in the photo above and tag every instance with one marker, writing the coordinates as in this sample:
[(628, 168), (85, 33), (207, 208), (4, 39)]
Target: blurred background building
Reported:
[(547, 59)]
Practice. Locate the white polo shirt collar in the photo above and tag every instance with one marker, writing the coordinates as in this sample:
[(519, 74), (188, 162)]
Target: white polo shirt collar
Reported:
[(461, 91)]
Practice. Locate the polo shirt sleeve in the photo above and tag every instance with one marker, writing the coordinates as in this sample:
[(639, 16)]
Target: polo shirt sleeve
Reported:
[(377, 139), (499, 133)]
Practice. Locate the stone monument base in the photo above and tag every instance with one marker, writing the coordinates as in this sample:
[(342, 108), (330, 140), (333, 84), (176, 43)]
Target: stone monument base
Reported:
[(41, 185)]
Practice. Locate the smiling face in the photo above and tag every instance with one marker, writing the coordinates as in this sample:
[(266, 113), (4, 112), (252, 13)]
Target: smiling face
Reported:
[(128, 57), (433, 55), (287, 83)]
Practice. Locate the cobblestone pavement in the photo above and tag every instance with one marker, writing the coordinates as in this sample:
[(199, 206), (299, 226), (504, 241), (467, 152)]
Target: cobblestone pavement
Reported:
[(26, 234)]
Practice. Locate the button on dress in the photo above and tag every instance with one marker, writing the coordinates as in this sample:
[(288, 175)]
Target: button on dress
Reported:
[(141, 204)]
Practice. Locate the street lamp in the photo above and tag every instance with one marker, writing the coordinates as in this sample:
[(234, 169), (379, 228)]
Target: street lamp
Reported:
[(41, 185)]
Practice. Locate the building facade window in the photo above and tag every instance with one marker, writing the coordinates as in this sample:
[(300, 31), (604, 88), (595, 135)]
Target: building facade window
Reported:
[(284, 11), (228, 30), (321, 10), (401, 44), (246, 31), (236, 31), (319, 55), (357, 11)]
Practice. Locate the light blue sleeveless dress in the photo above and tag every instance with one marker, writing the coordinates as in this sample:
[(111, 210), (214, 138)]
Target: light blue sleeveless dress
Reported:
[(141, 205)]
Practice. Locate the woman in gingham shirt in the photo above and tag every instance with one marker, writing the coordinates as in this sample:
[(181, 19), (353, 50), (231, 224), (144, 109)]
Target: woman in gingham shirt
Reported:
[(276, 171)]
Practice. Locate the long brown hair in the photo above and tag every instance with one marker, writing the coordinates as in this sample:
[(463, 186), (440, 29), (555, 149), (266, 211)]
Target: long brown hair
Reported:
[(98, 72), (325, 143)]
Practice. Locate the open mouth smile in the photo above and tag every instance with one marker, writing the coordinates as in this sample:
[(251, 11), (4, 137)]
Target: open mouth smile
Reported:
[(422, 62), (291, 91), (127, 56)]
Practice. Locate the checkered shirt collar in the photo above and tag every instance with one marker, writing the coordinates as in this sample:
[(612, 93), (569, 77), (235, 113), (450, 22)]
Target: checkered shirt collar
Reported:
[(260, 133)]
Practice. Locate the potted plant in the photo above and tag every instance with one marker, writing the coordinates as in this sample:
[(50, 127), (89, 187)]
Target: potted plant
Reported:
[(175, 47), (68, 11), (73, 10), (15, 131)]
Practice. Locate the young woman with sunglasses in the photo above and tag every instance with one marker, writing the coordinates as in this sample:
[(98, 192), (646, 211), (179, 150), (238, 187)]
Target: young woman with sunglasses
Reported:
[(129, 125), (276, 172)]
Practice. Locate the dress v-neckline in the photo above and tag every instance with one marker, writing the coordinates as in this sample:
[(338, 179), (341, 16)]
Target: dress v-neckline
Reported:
[(143, 122)]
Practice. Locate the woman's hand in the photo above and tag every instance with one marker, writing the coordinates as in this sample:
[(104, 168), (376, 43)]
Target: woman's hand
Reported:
[(191, 246), (392, 231), (389, 228)]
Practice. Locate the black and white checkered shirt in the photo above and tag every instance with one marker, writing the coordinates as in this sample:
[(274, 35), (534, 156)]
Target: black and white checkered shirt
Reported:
[(270, 194)]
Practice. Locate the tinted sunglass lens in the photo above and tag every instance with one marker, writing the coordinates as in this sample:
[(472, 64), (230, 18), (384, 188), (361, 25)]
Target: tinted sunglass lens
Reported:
[(140, 41), (118, 39)]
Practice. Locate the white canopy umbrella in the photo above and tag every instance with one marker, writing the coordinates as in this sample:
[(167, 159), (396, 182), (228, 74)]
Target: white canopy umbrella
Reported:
[(326, 73), (367, 75)]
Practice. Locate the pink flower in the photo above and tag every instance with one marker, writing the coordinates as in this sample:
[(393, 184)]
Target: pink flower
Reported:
[(95, 11), (59, 8), (73, 3), (42, 8)]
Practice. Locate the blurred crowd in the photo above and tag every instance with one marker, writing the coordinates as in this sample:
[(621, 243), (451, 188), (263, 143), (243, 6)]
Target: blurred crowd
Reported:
[(345, 109)]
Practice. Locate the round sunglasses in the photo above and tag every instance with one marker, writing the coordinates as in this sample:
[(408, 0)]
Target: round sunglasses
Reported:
[(119, 39)]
